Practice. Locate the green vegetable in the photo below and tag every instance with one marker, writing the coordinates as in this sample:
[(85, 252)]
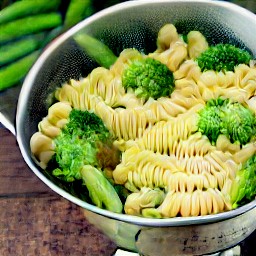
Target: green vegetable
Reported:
[(151, 213), (96, 50), (21, 9), (149, 78), (101, 192), (21, 19), (239, 123), (83, 141), (232, 119), (77, 11), (210, 122), (20, 48), (244, 186), (29, 25), (222, 57), (13, 73)]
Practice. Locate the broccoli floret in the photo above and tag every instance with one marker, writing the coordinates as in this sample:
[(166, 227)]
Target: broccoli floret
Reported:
[(70, 152), (83, 140), (243, 188), (86, 125), (222, 57), (210, 123), (231, 119), (239, 123), (148, 78)]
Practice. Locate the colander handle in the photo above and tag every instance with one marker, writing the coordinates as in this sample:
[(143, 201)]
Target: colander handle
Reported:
[(8, 106)]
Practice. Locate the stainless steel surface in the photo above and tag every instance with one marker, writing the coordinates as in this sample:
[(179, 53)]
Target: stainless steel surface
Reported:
[(135, 24), (177, 240), (8, 103)]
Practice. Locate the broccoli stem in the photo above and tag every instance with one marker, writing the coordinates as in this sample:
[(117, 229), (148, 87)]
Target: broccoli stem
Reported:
[(97, 50), (244, 186), (102, 193)]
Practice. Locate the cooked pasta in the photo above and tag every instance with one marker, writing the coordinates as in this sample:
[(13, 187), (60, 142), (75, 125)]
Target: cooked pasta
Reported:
[(197, 44), (171, 51), (168, 166), (164, 135), (146, 198), (185, 172), (199, 202), (42, 147), (41, 143)]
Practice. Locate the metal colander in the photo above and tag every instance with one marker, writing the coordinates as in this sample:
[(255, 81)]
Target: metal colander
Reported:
[(136, 24)]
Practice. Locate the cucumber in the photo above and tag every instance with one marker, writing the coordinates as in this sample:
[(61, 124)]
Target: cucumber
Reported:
[(21, 9), (29, 25)]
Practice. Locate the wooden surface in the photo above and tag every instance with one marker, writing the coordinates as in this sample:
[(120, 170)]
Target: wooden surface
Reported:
[(35, 220)]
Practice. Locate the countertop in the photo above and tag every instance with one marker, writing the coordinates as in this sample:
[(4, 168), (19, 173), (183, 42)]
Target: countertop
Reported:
[(35, 220)]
